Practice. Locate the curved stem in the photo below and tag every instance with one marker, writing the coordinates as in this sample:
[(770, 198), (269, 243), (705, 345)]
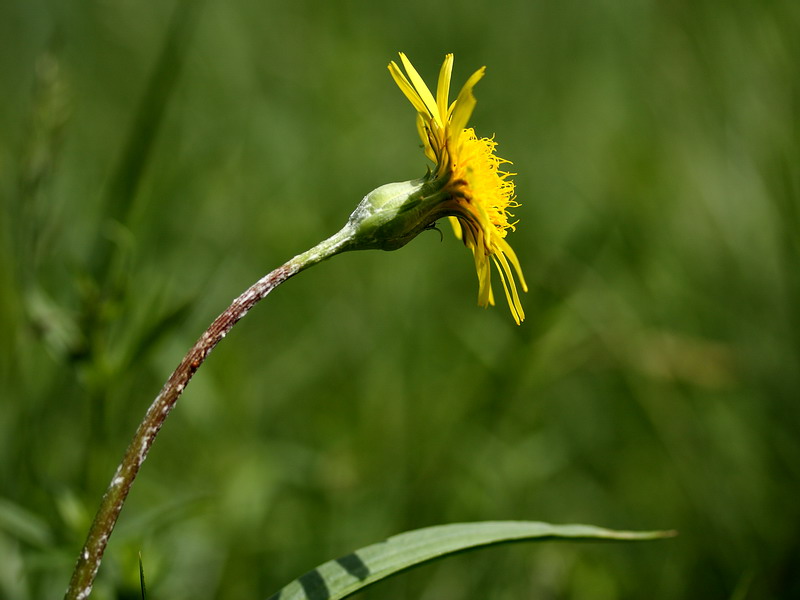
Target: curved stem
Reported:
[(92, 553)]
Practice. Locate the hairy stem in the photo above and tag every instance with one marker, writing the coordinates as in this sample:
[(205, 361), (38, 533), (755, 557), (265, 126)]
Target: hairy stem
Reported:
[(92, 553)]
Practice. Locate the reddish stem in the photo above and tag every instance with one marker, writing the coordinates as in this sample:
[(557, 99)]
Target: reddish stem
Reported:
[(111, 505)]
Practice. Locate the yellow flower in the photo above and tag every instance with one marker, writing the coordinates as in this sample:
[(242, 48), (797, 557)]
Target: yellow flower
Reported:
[(477, 193)]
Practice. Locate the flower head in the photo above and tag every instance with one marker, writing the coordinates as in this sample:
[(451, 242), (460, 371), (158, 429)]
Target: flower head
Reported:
[(472, 189)]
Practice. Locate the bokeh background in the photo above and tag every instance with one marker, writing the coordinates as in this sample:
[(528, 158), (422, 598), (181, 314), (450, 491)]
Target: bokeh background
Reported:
[(157, 158)]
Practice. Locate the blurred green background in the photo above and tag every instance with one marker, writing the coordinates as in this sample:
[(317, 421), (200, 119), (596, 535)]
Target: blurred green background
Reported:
[(157, 158)]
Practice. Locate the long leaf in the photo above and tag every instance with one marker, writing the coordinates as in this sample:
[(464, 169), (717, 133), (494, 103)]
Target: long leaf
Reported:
[(344, 576)]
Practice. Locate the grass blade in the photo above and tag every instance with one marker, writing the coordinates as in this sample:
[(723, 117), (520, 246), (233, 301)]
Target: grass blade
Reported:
[(349, 574)]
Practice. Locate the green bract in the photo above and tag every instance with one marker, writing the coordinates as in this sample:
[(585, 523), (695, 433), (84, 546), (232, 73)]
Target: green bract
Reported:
[(392, 215)]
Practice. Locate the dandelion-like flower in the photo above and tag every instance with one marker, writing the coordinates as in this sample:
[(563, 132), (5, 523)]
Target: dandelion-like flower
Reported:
[(468, 186), (474, 190)]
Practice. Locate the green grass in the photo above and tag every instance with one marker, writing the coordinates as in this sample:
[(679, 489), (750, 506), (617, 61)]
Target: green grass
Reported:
[(653, 385)]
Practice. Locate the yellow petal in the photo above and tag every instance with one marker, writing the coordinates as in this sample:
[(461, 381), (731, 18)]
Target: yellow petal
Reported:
[(465, 103), (484, 269), (408, 90), (422, 130), (443, 87), (507, 279), (506, 249), (456, 227), (422, 89)]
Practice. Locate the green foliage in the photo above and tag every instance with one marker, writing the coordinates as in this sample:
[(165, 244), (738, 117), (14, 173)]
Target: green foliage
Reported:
[(353, 572), (157, 159)]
